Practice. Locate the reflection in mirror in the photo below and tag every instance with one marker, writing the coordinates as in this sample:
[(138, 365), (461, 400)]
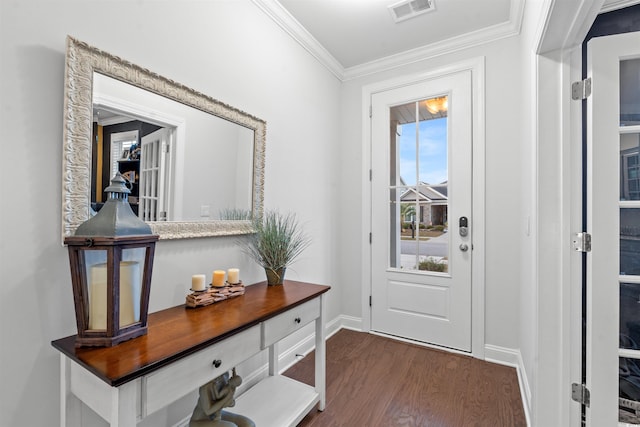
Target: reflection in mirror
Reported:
[(174, 156), (196, 165)]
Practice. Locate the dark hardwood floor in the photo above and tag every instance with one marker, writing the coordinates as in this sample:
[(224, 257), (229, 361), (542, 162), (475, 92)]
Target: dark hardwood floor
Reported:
[(377, 381)]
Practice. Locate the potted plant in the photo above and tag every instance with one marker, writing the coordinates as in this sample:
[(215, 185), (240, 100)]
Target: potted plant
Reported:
[(276, 242)]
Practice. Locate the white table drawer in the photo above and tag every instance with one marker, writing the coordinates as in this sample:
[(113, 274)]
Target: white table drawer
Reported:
[(172, 382), (276, 328)]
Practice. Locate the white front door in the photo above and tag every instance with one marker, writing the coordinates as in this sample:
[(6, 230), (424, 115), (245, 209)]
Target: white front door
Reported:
[(613, 219), (422, 228)]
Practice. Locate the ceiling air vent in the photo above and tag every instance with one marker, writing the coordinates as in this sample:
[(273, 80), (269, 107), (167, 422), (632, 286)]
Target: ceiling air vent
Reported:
[(406, 9)]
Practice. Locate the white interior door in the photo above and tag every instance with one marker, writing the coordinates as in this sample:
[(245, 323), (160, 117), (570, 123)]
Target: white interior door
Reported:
[(613, 209), (153, 160), (421, 211)]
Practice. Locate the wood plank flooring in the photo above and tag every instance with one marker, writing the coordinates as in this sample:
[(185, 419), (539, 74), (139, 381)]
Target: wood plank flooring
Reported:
[(376, 381)]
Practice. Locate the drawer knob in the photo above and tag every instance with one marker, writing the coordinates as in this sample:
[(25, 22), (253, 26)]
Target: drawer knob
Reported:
[(217, 363), (297, 320)]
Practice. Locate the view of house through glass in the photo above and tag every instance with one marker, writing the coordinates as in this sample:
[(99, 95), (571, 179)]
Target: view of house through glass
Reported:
[(418, 196)]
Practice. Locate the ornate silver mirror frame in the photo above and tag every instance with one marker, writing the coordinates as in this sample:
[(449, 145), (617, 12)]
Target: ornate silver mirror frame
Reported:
[(82, 61)]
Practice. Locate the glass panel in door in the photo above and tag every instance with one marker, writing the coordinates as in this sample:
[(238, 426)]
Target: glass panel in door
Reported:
[(629, 282), (630, 242), (629, 398), (629, 165), (418, 186)]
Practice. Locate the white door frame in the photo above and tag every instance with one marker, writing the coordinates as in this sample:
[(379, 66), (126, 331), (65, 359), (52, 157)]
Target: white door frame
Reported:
[(557, 326), (477, 68), (151, 114)]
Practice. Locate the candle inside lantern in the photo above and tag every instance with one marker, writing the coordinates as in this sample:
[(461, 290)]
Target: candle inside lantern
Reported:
[(129, 292), (197, 282), (218, 278), (233, 276)]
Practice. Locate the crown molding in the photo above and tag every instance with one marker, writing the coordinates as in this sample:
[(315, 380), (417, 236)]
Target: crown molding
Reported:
[(496, 32), (617, 4), (290, 25)]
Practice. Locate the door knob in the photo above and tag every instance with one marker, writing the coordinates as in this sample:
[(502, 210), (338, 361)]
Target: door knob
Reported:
[(464, 247)]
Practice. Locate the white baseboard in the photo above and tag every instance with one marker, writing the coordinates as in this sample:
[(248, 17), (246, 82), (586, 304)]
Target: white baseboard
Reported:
[(183, 422), (290, 356), (512, 357), (347, 322)]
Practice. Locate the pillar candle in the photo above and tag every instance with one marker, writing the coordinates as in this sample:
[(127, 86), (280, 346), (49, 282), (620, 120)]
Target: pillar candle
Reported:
[(233, 275), (130, 282), (218, 278), (197, 282)]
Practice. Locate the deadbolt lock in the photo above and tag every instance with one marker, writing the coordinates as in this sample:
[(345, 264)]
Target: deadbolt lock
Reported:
[(463, 226)]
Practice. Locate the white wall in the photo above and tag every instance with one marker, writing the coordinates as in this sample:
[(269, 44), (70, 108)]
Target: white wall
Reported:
[(227, 49), (528, 336)]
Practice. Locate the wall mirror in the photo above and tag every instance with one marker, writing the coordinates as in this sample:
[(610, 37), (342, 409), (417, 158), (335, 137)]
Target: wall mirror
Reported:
[(195, 164)]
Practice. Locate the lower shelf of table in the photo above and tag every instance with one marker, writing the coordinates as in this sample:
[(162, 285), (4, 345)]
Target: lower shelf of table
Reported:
[(276, 401)]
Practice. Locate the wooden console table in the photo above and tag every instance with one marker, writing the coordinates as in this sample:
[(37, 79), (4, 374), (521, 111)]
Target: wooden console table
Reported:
[(186, 348)]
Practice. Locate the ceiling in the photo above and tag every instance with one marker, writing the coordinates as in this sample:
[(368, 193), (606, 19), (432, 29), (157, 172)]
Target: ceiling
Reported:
[(358, 37), (360, 31)]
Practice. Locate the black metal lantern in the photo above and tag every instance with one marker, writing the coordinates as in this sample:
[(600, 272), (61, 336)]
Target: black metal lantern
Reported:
[(111, 258)]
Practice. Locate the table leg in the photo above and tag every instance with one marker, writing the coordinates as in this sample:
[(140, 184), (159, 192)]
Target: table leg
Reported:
[(274, 366), (123, 405), (64, 389), (320, 357)]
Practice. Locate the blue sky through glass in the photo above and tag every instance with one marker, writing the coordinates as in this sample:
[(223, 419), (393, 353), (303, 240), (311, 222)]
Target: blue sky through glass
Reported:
[(432, 152)]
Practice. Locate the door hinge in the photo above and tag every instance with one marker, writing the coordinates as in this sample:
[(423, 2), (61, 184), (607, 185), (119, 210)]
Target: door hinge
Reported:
[(370, 111), (370, 301), (582, 242), (580, 393), (370, 174), (370, 238), (581, 90)]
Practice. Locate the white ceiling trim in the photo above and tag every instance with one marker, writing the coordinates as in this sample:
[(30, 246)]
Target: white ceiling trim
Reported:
[(464, 41), (290, 25), (567, 22), (617, 4), (287, 22), (576, 15)]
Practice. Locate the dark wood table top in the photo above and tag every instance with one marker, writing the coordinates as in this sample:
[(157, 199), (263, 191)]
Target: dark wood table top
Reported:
[(180, 331)]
